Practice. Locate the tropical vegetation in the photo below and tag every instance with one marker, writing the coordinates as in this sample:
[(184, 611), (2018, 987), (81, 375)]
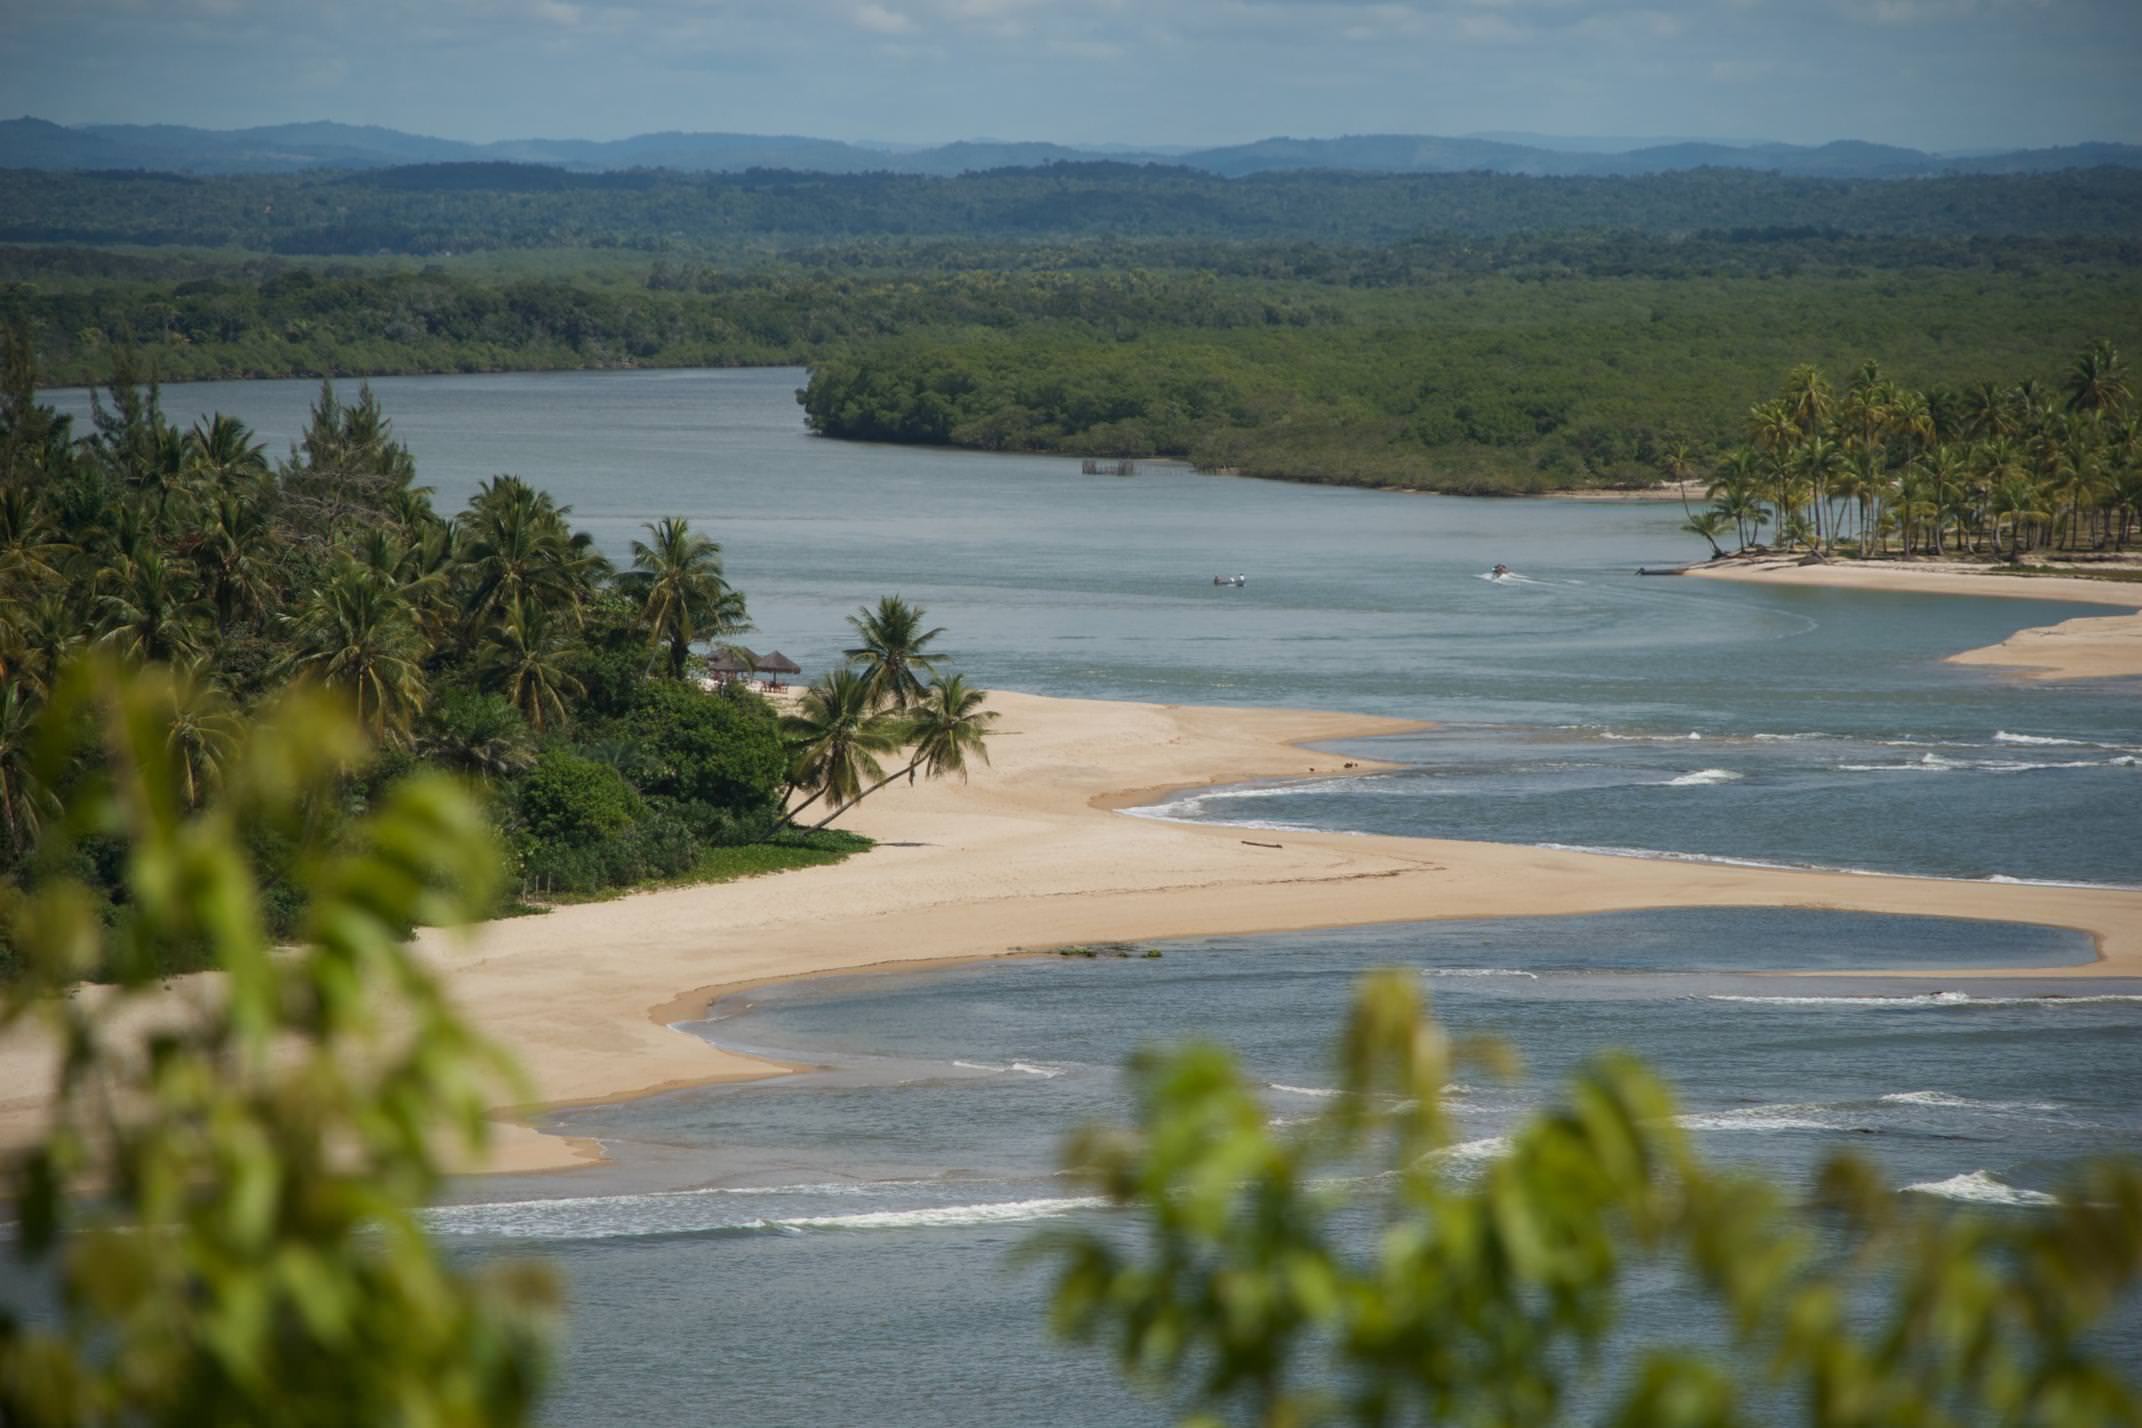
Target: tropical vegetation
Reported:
[(496, 643), (1877, 469)]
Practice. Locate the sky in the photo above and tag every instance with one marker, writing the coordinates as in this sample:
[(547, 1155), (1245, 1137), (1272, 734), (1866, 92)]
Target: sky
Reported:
[(1935, 74)]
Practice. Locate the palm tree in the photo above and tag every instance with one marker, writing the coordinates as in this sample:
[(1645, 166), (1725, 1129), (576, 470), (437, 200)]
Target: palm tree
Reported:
[(516, 548), (677, 578), (1808, 399), (1946, 471), (522, 659), (1736, 490), (24, 801), (224, 455), (893, 652), (2017, 506), (1817, 463), (235, 555), (205, 727), (836, 735), (150, 614), (30, 548), (1708, 524), (947, 726), (2098, 380), (944, 728), (357, 634)]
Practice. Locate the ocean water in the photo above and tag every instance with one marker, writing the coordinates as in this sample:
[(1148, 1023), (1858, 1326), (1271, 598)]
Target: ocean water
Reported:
[(834, 1247)]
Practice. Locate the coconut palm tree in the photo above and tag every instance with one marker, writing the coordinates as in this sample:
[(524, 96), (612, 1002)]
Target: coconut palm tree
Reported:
[(31, 551), (1736, 489), (836, 735), (893, 650), (1808, 399), (517, 549), (1708, 524), (2015, 506), (2098, 380), (24, 801), (948, 726), (676, 576), (149, 612), (223, 455), (205, 728), (235, 555), (522, 658), (942, 729), (1946, 472), (357, 634)]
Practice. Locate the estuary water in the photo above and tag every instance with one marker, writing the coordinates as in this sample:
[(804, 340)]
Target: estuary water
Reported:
[(833, 1247)]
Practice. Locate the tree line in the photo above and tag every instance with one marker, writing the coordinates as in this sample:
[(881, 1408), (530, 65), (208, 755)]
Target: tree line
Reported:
[(495, 642), (440, 209), (1879, 469)]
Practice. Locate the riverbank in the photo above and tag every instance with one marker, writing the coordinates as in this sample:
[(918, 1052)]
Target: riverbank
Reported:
[(2090, 647), (1030, 855)]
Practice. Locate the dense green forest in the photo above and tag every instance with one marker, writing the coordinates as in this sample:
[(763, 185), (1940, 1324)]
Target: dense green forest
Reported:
[(495, 643), (1466, 332), (1494, 384), (456, 208)]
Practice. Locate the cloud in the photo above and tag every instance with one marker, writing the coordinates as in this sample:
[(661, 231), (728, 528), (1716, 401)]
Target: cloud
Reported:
[(881, 21)]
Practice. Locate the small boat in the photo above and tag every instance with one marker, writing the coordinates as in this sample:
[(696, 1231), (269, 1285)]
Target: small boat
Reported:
[(1499, 572), (1230, 580)]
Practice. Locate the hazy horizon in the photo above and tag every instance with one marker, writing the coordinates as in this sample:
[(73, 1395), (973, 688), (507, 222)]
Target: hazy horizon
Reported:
[(1939, 75)]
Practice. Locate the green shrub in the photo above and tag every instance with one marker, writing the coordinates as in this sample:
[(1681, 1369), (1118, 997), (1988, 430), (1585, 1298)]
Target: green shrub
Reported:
[(570, 799), (722, 750)]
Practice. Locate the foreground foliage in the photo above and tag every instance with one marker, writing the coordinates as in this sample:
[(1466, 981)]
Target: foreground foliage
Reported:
[(252, 1253), (1248, 1293)]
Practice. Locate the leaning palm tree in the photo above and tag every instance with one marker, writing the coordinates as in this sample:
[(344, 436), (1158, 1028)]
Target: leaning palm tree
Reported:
[(357, 634), (1708, 524), (948, 726), (943, 729), (836, 735), (523, 659), (676, 575), (894, 650)]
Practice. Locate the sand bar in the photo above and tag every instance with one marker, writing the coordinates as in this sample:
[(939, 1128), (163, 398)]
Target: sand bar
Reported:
[(1030, 855), (2092, 647)]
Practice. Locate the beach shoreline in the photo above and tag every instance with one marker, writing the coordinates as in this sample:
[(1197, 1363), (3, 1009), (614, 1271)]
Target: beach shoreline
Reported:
[(2105, 646), (1031, 854)]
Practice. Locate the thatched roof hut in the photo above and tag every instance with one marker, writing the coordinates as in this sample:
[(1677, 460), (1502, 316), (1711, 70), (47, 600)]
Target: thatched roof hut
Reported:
[(778, 663)]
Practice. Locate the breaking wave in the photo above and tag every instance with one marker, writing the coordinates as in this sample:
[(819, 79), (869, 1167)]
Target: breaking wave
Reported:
[(1980, 1187), (1702, 777), (1963, 1103), (1932, 999), (709, 1212)]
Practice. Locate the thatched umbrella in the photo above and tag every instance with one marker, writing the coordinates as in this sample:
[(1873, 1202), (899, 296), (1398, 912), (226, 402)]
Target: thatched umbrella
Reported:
[(730, 662), (776, 664)]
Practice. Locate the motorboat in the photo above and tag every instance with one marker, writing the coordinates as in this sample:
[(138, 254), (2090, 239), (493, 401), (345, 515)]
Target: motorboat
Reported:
[(1230, 580)]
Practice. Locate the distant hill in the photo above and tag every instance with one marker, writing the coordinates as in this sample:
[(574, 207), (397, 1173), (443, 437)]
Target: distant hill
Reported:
[(30, 143)]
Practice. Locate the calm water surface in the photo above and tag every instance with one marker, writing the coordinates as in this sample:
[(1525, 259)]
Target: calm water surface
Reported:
[(832, 1247)]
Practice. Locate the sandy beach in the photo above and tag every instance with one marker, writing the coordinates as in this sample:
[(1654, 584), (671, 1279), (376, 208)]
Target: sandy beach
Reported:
[(1032, 854), (2093, 647)]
